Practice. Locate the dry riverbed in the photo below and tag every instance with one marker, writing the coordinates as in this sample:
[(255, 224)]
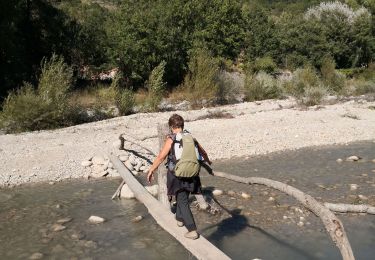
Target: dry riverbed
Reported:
[(247, 129)]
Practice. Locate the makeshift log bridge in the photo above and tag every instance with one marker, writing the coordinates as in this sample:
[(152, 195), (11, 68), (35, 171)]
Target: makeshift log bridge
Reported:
[(201, 248)]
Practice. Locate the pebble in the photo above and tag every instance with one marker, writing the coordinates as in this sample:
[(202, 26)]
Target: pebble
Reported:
[(373, 170), (138, 166), (123, 158), (137, 219), (373, 160), (301, 219), (36, 256), (217, 192), (57, 227), (90, 244), (353, 158), (64, 220), (77, 236), (300, 224), (353, 187), (231, 193), (339, 160), (285, 217), (126, 192), (362, 197), (271, 199), (96, 220), (51, 183), (135, 173), (143, 168), (129, 165), (99, 160), (245, 195), (86, 163)]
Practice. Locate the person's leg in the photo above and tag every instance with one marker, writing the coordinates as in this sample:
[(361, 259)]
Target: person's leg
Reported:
[(184, 212)]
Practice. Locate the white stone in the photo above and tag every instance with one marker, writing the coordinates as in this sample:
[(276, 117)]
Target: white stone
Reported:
[(64, 220), (123, 158), (126, 193), (271, 199), (96, 220), (137, 219), (99, 160), (132, 160), (138, 166), (86, 163), (99, 168), (129, 165), (352, 158), (217, 192), (285, 217), (300, 224), (143, 168), (373, 160), (353, 187), (117, 144), (339, 160), (301, 219), (153, 190), (245, 195)]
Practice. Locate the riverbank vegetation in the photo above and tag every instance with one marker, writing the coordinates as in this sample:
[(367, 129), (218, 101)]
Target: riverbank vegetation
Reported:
[(68, 62)]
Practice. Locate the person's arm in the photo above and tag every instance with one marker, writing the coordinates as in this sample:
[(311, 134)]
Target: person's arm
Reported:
[(160, 158), (204, 154)]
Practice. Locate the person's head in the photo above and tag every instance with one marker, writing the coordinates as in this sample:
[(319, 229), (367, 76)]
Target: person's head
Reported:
[(176, 122)]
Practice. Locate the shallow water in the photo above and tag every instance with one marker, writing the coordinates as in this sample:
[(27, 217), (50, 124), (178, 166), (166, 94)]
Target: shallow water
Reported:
[(256, 229)]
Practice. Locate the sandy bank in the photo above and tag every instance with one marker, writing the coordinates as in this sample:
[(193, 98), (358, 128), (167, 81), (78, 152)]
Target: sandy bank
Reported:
[(257, 128)]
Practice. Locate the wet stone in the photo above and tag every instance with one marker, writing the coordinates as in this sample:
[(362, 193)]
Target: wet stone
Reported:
[(77, 236), (137, 219), (57, 227), (96, 220), (64, 220), (36, 256), (217, 192)]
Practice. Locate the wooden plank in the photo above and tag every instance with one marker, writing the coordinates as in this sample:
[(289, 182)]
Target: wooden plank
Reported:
[(201, 248), (163, 131)]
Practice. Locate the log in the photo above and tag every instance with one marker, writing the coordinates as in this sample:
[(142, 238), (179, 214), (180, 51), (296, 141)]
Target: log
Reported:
[(163, 131), (349, 208), (201, 248), (332, 224)]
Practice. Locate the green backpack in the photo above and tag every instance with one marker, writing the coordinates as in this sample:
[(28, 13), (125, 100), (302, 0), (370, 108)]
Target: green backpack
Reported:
[(188, 165)]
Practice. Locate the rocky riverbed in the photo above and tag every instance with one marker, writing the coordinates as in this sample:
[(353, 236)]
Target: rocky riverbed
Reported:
[(240, 130)]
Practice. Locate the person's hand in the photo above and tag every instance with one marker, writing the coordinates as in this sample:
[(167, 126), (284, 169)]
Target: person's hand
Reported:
[(150, 175)]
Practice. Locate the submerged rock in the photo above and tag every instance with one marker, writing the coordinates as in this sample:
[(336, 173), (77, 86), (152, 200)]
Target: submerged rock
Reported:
[(57, 227), (217, 192), (353, 158), (137, 219), (353, 187), (231, 193), (36, 256), (339, 160), (96, 220), (245, 195), (64, 220)]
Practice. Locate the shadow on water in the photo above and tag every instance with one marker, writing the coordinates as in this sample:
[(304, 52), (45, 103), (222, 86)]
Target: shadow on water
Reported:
[(237, 223)]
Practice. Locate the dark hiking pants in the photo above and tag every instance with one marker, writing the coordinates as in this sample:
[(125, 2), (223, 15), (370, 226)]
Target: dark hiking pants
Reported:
[(183, 212)]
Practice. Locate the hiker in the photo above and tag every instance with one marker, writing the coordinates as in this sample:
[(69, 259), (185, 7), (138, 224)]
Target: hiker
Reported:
[(184, 157)]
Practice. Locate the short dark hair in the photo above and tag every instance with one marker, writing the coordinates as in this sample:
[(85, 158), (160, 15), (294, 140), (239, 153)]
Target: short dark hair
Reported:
[(176, 121)]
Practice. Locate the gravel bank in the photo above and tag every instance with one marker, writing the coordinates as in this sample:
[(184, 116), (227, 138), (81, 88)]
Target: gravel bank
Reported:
[(257, 128)]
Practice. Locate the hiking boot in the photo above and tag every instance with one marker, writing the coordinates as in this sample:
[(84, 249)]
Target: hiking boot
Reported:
[(180, 223), (192, 234)]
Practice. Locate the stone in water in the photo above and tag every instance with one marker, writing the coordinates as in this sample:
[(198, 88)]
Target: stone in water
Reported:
[(217, 192), (96, 220)]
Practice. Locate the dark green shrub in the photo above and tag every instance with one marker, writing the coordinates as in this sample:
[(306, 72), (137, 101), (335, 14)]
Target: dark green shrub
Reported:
[(156, 87), (333, 79), (265, 64)]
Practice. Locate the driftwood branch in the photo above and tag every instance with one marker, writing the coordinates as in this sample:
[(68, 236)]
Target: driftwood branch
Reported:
[(117, 192), (332, 224), (201, 248), (347, 208)]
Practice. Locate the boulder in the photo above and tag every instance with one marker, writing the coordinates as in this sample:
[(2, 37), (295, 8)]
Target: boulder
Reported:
[(126, 192), (96, 220), (153, 189)]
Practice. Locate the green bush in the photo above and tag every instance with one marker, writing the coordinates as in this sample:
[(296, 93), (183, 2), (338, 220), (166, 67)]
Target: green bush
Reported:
[(333, 79), (201, 80), (363, 87), (302, 79), (125, 101), (228, 88), (265, 64), (313, 95), (46, 107), (261, 86), (156, 87)]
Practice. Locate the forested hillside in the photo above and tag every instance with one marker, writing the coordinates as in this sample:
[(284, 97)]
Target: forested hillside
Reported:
[(136, 36)]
